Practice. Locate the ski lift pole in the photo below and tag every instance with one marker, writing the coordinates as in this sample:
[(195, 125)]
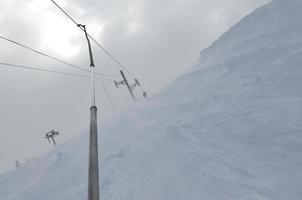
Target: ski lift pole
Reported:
[(51, 135), (127, 84), (93, 169)]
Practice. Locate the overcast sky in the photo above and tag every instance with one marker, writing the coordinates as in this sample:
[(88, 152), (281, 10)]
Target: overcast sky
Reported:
[(156, 40)]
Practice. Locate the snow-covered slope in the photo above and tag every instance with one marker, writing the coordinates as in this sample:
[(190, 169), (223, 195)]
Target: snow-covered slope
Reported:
[(231, 129)]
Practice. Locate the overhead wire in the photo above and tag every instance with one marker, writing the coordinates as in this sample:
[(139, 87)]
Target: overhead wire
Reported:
[(110, 55), (8, 65), (54, 58), (40, 69), (43, 54), (107, 94), (65, 12), (94, 40)]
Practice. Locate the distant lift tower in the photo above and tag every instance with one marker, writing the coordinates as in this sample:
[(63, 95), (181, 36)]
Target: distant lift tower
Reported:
[(93, 173), (50, 136), (130, 87)]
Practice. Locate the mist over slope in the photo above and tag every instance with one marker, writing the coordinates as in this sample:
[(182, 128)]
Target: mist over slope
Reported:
[(230, 129)]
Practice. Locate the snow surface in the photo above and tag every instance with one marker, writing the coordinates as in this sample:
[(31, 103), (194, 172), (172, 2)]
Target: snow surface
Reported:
[(229, 130)]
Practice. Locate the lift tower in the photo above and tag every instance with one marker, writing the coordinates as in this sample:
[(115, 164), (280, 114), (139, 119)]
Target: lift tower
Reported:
[(93, 173), (51, 135), (130, 87)]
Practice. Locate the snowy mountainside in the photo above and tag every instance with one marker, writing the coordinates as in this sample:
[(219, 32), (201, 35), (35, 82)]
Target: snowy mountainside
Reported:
[(230, 129), (275, 24)]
